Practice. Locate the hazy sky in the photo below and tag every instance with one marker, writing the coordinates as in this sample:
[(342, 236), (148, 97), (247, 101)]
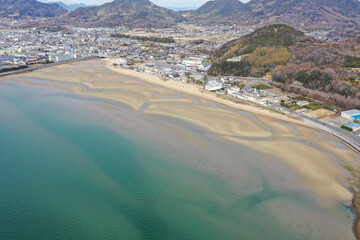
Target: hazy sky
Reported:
[(164, 3)]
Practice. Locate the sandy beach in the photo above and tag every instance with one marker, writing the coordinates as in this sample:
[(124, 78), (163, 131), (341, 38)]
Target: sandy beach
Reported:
[(196, 90)]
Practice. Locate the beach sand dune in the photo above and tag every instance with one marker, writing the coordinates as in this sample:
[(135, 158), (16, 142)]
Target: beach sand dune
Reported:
[(69, 76), (319, 171), (135, 100), (215, 120), (135, 87)]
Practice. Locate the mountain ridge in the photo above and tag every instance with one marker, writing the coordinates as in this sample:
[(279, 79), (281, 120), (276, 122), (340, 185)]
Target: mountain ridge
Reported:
[(340, 16), (133, 13), (29, 8), (220, 8), (326, 13), (70, 6), (306, 14)]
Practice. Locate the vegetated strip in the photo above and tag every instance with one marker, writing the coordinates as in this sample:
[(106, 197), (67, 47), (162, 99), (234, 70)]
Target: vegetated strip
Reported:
[(141, 38)]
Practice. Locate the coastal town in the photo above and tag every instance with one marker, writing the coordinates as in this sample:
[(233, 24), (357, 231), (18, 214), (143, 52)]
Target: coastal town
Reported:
[(179, 54)]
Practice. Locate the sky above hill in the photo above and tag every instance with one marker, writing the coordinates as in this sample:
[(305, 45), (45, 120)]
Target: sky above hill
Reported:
[(163, 3)]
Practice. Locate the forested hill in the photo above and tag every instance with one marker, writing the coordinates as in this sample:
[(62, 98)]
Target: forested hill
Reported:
[(263, 50), (287, 55)]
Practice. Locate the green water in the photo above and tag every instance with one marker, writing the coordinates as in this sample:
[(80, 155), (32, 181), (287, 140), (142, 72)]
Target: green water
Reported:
[(63, 177)]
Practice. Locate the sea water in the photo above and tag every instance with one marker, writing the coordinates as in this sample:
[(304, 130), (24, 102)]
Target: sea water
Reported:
[(70, 171)]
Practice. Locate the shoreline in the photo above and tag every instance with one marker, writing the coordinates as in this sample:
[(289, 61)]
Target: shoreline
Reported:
[(47, 65), (356, 205), (193, 89)]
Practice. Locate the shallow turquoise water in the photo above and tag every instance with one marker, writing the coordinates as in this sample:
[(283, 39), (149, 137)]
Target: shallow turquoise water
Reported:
[(63, 177)]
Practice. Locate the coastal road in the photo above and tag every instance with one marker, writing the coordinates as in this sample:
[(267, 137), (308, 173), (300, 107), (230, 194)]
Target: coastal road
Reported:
[(348, 137), (48, 65)]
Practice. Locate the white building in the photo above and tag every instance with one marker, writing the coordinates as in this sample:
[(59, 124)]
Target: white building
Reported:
[(192, 61), (213, 85), (350, 114), (204, 68), (122, 61), (302, 103), (233, 91), (235, 59), (60, 57), (353, 126)]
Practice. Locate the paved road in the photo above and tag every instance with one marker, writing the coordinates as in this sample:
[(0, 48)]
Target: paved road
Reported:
[(47, 66), (348, 137)]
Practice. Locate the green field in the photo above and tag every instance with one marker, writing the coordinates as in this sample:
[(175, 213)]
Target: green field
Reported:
[(262, 86), (313, 106)]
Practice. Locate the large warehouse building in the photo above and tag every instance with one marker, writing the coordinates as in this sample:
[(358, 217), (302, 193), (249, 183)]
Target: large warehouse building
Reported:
[(352, 114)]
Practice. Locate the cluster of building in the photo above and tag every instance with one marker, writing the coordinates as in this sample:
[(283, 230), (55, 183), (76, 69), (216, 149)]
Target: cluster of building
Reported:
[(176, 70), (22, 47), (252, 94), (352, 115), (20, 60)]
